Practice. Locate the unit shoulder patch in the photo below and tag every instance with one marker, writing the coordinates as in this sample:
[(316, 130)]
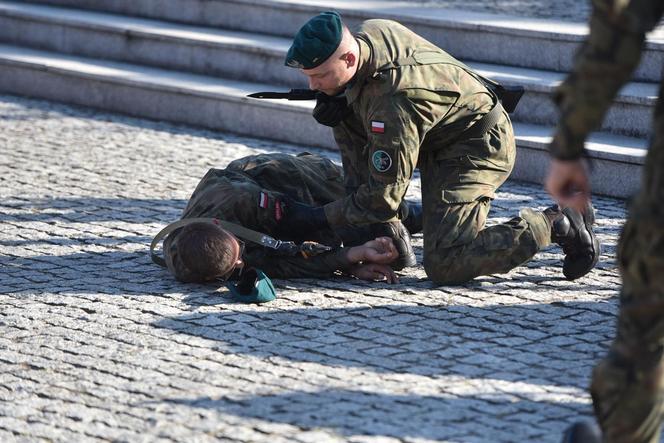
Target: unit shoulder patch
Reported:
[(381, 161)]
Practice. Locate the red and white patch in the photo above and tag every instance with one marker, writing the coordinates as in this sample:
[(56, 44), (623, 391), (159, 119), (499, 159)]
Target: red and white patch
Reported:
[(377, 127), (263, 200), (278, 212)]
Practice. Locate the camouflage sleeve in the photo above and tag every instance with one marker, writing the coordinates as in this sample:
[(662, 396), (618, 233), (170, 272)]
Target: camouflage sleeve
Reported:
[(603, 64), (395, 128), (319, 266), (349, 135)]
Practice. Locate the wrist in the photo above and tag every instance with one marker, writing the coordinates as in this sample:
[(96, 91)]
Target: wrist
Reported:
[(567, 148), (355, 254)]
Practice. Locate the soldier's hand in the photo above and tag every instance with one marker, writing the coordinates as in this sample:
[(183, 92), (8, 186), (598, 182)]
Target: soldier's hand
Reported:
[(375, 272), (330, 111), (568, 183), (301, 218), (379, 251)]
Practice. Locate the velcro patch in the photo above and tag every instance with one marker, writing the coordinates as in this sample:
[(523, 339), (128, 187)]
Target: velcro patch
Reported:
[(377, 127), (381, 161), (263, 200), (278, 212)]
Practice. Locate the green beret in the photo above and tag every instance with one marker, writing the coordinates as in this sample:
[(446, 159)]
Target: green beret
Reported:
[(316, 41), (254, 287)]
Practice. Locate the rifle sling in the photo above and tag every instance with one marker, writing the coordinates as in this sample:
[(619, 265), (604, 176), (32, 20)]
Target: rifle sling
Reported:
[(240, 231)]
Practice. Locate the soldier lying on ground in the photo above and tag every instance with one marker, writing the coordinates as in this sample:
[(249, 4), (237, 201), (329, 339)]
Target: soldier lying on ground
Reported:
[(396, 101), (250, 192)]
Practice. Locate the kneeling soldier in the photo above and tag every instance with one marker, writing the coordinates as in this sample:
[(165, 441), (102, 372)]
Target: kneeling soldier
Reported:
[(396, 101)]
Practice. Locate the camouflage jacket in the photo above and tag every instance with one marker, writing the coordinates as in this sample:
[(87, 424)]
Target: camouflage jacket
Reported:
[(603, 65), (248, 192), (403, 102)]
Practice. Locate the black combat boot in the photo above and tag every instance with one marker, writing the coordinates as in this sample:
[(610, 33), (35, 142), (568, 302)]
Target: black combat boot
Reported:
[(410, 213), (399, 234), (573, 231), (582, 432)]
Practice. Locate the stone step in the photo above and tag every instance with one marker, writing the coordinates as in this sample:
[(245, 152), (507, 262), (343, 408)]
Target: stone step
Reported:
[(204, 101), (203, 50), (631, 113), (259, 58), (505, 40)]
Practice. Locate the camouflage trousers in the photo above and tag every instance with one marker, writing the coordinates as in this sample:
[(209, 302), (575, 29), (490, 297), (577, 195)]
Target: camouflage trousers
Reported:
[(627, 386), (458, 185)]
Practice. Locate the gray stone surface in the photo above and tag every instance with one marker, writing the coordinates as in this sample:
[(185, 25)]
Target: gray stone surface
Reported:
[(204, 50), (572, 10), (259, 58), (97, 343), (209, 102), (467, 34)]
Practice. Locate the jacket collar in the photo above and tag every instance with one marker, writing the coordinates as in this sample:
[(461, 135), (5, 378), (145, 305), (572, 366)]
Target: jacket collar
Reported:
[(365, 69)]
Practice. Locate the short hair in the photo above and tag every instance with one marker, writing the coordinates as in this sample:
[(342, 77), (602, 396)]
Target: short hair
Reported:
[(199, 252)]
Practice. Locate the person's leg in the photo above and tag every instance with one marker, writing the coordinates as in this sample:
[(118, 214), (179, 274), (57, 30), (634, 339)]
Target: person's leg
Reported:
[(457, 249), (627, 386), (456, 196)]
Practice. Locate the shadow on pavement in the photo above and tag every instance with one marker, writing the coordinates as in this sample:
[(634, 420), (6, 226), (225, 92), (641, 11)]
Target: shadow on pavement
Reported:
[(352, 413), (78, 241), (552, 344), (90, 210), (107, 272)]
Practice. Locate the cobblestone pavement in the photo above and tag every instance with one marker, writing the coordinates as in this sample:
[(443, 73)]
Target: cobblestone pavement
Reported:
[(97, 343)]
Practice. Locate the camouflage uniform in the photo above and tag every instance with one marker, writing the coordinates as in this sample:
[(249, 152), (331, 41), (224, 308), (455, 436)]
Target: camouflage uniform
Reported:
[(249, 191), (627, 384), (410, 109)]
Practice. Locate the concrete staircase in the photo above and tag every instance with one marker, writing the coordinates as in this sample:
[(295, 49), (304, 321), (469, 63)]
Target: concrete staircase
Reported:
[(194, 61)]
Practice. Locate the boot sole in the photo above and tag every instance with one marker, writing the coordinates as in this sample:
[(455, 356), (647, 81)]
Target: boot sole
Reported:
[(588, 222)]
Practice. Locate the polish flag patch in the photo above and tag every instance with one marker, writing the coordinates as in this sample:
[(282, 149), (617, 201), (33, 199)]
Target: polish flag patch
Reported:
[(263, 200), (377, 127)]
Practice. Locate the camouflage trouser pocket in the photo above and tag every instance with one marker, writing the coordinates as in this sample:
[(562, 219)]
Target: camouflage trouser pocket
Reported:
[(466, 193), (459, 219)]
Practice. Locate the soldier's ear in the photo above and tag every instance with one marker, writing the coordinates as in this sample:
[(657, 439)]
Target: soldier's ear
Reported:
[(349, 58)]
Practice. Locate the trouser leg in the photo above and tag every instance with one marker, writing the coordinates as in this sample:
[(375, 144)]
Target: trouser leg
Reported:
[(627, 386), (458, 249), (456, 198)]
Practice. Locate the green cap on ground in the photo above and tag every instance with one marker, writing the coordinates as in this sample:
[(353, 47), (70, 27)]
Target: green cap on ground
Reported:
[(316, 41), (254, 287)]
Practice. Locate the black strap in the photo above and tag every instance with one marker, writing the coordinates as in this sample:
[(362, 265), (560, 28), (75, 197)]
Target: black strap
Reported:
[(484, 124), (307, 248), (240, 231)]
